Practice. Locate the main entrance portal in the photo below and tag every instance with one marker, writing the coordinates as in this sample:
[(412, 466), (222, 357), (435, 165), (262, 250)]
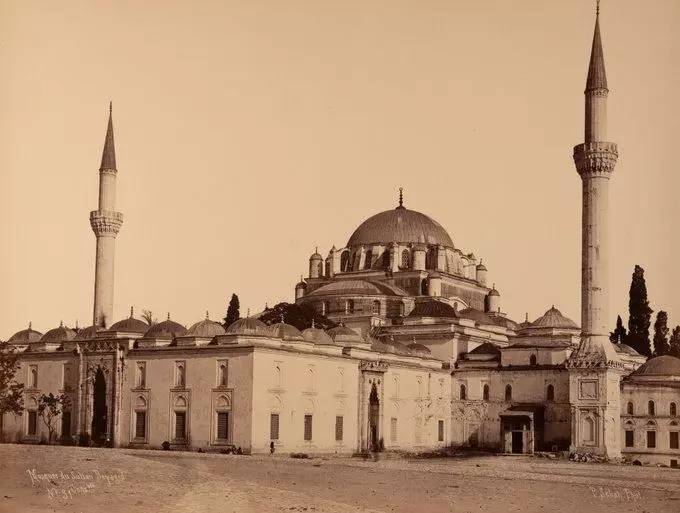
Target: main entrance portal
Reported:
[(99, 409)]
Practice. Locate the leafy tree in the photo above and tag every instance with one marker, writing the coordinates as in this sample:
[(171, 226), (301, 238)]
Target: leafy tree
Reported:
[(11, 392), (674, 343), (661, 346), (640, 314), (147, 315), (233, 313), (49, 408), (300, 316), (619, 334)]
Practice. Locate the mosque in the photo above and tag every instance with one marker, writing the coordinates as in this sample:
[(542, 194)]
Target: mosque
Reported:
[(422, 358)]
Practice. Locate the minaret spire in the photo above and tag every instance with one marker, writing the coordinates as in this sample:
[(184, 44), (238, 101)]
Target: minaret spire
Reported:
[(109, 153), (597, 78)]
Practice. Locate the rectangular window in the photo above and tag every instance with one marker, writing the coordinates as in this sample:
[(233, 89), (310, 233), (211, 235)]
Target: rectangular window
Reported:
[(651, 439), (140, 382), (140, 424), (180, 425), (673, 441), (338, 428), (66, 424), (274, 426), (223, 425), (440, 431), (630, 439), (393, 429), (32, 423), (308, 427)]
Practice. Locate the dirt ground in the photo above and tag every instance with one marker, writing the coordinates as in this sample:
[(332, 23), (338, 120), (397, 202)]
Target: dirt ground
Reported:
[(73, 479)]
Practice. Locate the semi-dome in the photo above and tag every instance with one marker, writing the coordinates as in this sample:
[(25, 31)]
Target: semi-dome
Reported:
[(285, 331), (400, 225), (166, 330), (249, 326), (358, 288), (344, 336), (317, 336), (58, 334), (419, 349), (206, 329), (476, 315), (626, 349), (504, 322), (87, 333), (25, 336), (433, 308), (665, 365), (130, 325), (553, 318)]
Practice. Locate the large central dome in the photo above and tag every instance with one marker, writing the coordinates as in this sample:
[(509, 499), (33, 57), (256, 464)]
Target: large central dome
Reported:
[(400, 225)]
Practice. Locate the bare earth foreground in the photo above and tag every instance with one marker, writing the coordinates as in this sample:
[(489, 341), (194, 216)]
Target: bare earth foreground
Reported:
[(55, 479)]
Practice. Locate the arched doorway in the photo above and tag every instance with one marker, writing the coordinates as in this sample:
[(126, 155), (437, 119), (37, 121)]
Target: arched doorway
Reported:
[(374, 419), (99, 409)]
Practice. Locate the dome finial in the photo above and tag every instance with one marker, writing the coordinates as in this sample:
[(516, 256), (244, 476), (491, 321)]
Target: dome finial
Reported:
[(401, 196), (61, 324), (30, 325), (526, 316), (283, 318), (248, 313), (168, 315), (111, 103), (597, 8), (207, 315), (76, 323), (132, 312)]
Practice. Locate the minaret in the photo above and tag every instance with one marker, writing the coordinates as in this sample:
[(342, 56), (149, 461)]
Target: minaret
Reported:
[(595, 369), (595, 160), (105, 222)]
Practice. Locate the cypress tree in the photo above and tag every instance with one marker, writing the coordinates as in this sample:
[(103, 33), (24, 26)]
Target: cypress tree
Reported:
[(640, 314), (619, 334), (661, 346), (675, 343), (233, 313)]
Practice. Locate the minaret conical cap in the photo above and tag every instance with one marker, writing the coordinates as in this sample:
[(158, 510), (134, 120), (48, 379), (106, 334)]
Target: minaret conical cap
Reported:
[(109, 153), (597, 78)]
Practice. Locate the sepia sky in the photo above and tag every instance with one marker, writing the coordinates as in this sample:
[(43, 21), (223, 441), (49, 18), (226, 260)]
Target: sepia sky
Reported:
[(249, 132)]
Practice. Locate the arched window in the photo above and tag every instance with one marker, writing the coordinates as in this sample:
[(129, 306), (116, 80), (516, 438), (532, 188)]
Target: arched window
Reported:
[(376, 307), (589, 427), (351, 265), (550, 393), (673, 410), (34, 376), (485, 392), (532, 359), (386, 260), (508, 392), (650, 408), (463, 392), (349, 306), (368, 261), (629, 408), (344, 261), (405, 259)]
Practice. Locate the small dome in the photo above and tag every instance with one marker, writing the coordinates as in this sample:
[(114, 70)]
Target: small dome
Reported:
[(665, 365), (344, 336), (504, 322), (433, 308), (494, 292), (88, 333), (59, 334), (249, 326), (486, 348), (419, 349), (481, 267), (316, 255), (358, 288), (626, 349), (301, 284), (553, 318), (477, 316), (130, 325), (285, 331), (25, 336), (317, 336), (166, 330), (206, 329)]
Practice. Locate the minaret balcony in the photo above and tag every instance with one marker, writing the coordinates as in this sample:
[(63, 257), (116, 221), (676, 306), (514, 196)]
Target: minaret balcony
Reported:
[(596, 158), (105, 222)]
